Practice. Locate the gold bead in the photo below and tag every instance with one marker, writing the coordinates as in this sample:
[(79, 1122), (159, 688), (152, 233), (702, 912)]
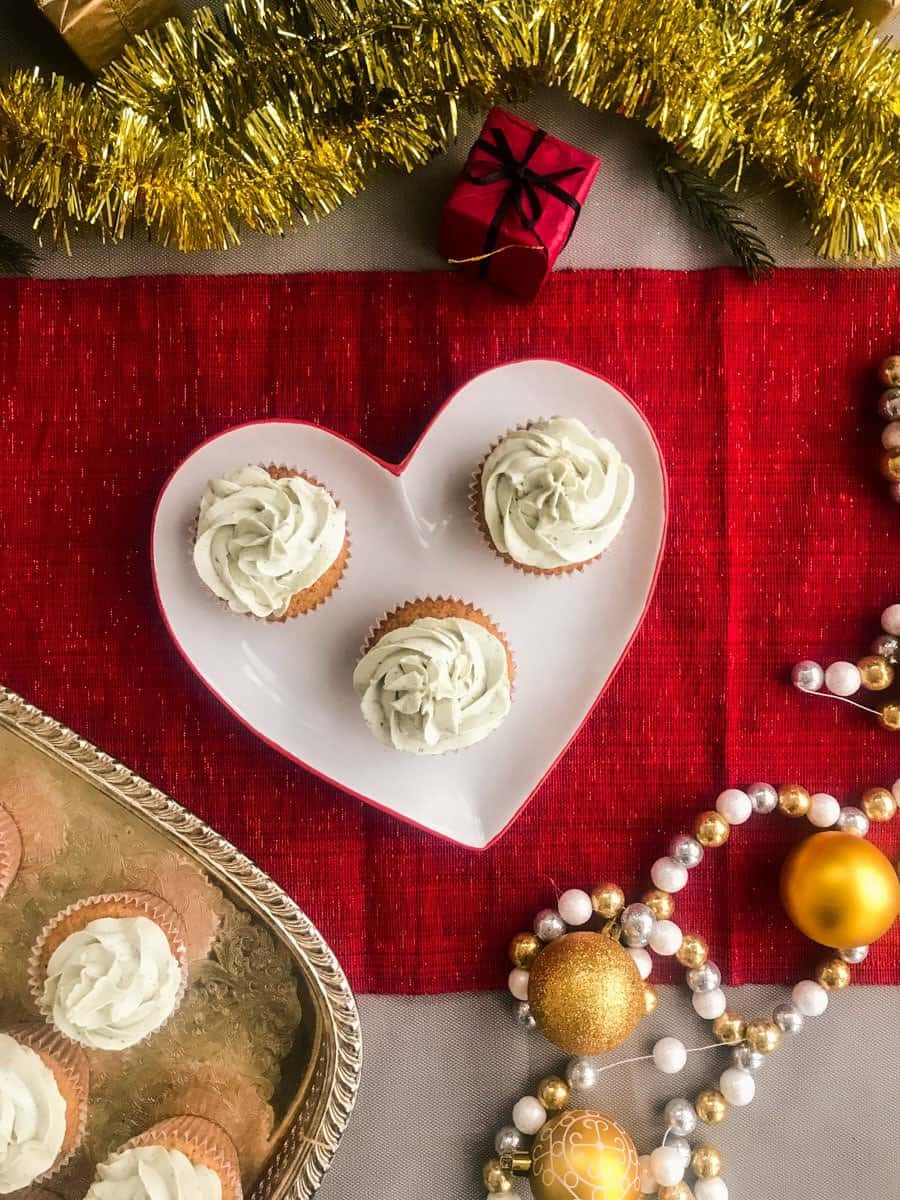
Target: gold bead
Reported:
[(879, 804), (833, 974), (763, 1036), (889, 717), (890, 464), (794, 800), (678, 1191), (876, 673), (524, 949), (711, 1106), (729, 1028), (693, 951), (711, 829), (889, 371), (660, 903), (496, 1180), (584, 1155), (553, 1093), (608, 900), (651, 999), (706, 1162)]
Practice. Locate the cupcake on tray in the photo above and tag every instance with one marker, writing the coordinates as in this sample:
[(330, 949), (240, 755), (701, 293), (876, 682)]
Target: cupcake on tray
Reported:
[(183, 1158), (552, 496), (43, 1104), (270, 542), (10, 851), (436, 675), (110, 970)]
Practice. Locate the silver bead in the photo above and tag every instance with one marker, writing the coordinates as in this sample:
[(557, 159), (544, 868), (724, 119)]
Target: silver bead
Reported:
[(807, 675), (581, 1074), (548, 925), (522, 1014), (681, 1117), (705, 978), (683, 1146), (508, 1139), (853, 820), (788, 1018), (854, 954), (637, 922), (746, 1059), (686, 850), (888, 647), (763, 797), (889, 404)]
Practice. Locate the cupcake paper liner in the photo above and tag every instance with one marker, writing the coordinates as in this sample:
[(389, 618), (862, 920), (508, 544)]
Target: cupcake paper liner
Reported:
[(113, 904), (235, 1105), (10, 851), (203, 1142), (70, 1069), (36, 803)]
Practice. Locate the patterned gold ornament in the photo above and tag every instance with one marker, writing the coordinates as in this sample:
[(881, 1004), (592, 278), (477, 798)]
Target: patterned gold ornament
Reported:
[(875, 672), (524, 949), (840, 890), (794, 800), (585, 992), (583, 1155), (608, 900), (879, 804), (711, 829)]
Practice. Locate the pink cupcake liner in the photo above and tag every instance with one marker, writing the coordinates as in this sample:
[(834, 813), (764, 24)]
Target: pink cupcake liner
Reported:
[(201, 1141), (10, 851), (58, 1051)]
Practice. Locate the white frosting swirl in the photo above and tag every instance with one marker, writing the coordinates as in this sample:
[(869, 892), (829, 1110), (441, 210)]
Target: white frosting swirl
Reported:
[(438, 684), (554, 495), (261, 540), (154, 1173), (32, 1116), (113, 982)]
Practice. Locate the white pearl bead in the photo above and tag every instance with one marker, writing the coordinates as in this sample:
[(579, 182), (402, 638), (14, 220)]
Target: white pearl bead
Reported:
[(529, 1115), (648, 1183), (734, 805), (668, 874), (890, 436), (711, 1189), (669, 1055), (890, 619), (824, 810), (810, 997), (843, 678), (666, 937), (709, 1005), (642, 960), (737, 1086), (666, 1165), (575, 907), (518, 983)]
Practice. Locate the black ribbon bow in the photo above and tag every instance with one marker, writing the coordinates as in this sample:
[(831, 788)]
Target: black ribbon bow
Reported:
[(522, 191)]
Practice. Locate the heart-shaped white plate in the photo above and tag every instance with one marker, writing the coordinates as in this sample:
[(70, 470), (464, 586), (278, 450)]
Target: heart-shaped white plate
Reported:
[(413, 535)]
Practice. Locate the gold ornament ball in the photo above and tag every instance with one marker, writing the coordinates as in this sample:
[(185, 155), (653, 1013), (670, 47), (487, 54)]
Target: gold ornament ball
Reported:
[(875, 673), (583, 1155), (660, 903), (889, 371), (890, 465), (879, 804), (711, 829), (585, 992), (840, 890), (706, 1162), (729, 1028), (524, 949), (833, 974), (553, 1093), (608, 900), (762, 1036), (693, 951), (794, 800), (711, 1106), (651, 999), (889, 717), (496, 1180)]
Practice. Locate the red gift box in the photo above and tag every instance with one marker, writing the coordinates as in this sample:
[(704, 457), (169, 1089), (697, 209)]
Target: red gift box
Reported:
[(515, 204)]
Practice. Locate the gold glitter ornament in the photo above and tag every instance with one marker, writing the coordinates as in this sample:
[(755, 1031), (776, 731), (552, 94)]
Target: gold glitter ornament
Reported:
[(711, 1106), (608, 900), (524, 949), (875, 672), (585, 992), (651, 999), (706, 1162), (762, 1036), (583, 1155), (660, 903), (794, 800), (711, 829), (879, 804), (833, 974)]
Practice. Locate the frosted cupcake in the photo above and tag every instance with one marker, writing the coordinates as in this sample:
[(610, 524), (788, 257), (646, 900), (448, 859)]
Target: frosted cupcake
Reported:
[(184, 1158), (270, 542), (436, 675), (10, 851), (110, 970), (43, 1104), (552, 497)]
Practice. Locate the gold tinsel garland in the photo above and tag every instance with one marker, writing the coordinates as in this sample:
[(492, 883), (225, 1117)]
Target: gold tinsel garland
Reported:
[(280, 108)]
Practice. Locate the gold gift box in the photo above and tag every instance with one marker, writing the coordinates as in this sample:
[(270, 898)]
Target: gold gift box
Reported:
[(98, 29)]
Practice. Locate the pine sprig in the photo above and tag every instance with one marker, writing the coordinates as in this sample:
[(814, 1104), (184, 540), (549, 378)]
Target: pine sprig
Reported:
[(15, 257), (710, 208)]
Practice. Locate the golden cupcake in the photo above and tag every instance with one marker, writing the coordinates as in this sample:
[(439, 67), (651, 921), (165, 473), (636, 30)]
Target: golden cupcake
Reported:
[(436, 675), (183, 1158), (271, 542)]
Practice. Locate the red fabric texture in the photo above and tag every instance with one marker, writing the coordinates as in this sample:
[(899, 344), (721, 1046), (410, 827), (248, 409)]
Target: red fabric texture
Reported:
[(782, 545)]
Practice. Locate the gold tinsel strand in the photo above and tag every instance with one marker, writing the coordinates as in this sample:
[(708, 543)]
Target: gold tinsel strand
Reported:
[(281, 108)]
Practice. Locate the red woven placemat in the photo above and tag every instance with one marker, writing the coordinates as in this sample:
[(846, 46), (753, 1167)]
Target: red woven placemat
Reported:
[(782, 544)]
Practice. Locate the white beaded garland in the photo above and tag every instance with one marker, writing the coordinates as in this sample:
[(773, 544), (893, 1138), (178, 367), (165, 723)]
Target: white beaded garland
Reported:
[(518, 983), (669, 1055), (666, 1165), (648, 1183), (734, 805), (666, 938), (890, 436), (709, 1005), (642, 960), (737, 1086), (843, 678), (810, 997), (890, 619), (824, 810), (529, 1115), (896, 790), (575, 907), (711, 1189), (669, 874), (763, 797)]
